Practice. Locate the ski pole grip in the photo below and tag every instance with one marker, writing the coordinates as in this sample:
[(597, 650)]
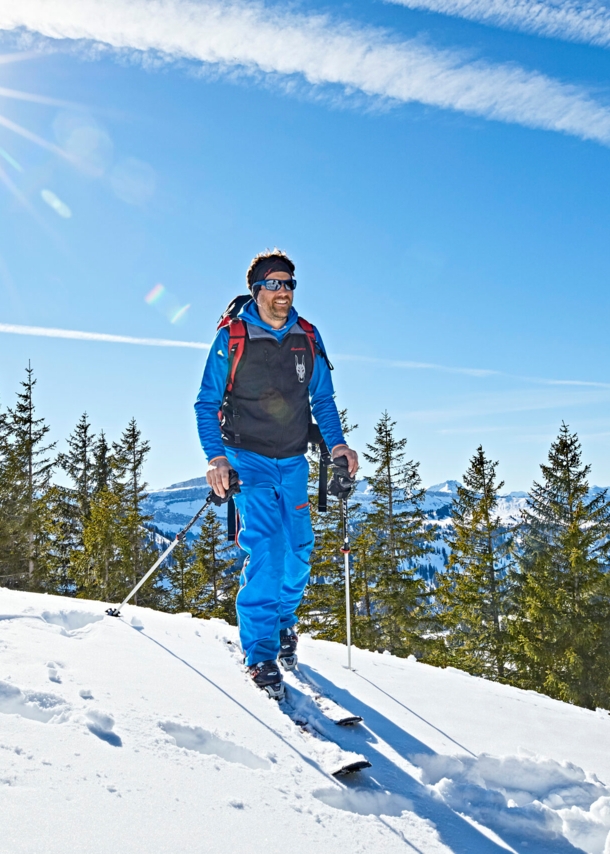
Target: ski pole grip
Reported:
[(231, 491), (341, 483)]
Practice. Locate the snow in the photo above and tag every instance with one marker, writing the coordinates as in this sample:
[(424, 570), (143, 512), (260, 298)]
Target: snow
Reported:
[(143, 734)]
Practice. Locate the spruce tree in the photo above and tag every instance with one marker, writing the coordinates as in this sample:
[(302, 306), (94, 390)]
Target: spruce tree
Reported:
[(99, 570), (213, 579), (473, 596), (561, 630), (12, 538), (322, 610), (69, 508), (399, 536), (29, 471), (78, 463), (177, 578), (101, 473), (128, 485)]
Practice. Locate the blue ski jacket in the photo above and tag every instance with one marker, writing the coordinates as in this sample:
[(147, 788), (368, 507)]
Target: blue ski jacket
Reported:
[(211, 392)]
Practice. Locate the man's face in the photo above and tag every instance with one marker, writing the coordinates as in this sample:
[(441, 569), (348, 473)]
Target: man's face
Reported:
[(276, 304)]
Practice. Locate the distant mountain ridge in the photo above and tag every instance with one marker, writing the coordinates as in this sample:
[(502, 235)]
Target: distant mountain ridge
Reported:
[(173, 506)]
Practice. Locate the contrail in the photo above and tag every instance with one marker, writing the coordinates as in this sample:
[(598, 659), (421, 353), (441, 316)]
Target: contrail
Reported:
[(46, 332)]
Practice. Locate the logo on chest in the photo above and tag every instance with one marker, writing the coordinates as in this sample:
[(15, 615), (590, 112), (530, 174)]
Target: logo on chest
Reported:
[(300, 366)]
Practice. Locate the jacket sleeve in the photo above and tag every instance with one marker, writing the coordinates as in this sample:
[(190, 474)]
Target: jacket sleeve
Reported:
[(211, 393), (323, 406)]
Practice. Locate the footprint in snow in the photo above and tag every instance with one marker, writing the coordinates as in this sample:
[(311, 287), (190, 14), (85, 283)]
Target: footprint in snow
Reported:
[(70, 621), (53, 672), (35, 705), (101, 725), (202, 741)]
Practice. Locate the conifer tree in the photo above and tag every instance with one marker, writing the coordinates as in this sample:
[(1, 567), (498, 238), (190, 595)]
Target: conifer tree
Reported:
[(138, 548), (214, 579), (177, 580), (99, 570), (12, 541), (473, 596), (322, 610), (101, 474), (561, 631), (78, 464), (29, 470), (400, 536)]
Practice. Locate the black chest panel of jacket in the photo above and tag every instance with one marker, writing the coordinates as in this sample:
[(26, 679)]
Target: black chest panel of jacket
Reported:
[(268, 409)]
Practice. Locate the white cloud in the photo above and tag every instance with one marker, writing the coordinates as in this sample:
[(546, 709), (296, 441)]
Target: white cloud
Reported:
[(254, 39), (573, 21)]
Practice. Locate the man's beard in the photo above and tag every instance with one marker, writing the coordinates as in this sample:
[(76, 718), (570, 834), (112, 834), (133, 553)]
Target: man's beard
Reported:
[(279, 312)]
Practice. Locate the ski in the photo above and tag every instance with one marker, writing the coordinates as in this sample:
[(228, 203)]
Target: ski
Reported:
[(303, 710), (329, 708)]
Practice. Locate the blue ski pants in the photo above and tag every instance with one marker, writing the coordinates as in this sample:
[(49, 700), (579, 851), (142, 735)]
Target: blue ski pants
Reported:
[(275, 531)]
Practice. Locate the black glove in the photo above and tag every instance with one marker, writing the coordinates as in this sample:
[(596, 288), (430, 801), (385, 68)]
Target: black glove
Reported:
[(341, 484), (231, 491)]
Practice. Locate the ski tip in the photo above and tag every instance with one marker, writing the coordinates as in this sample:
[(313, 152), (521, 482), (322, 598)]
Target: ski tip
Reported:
[(352, 768), (113, 612), (352, 720)]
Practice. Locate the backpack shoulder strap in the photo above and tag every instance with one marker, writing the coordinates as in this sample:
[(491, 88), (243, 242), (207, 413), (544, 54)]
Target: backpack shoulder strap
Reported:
[(237, 342), (308, 328)]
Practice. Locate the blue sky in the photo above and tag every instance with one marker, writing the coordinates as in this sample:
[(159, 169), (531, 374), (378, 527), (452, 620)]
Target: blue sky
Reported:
[(438, 170)]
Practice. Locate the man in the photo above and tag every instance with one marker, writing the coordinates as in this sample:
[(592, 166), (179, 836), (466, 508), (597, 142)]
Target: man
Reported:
[(256, 420)]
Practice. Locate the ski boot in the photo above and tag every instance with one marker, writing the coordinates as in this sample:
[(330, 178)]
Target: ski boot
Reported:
[(288, 648), (266, 675)]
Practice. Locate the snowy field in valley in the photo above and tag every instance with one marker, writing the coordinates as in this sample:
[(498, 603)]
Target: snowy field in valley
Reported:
[(142, 734)]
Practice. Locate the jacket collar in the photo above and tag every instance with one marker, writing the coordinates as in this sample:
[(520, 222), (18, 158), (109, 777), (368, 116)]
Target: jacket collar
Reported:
[(249, 314)]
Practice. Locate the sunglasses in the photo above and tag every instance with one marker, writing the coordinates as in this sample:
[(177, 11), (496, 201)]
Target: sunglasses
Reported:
[(276, 284)]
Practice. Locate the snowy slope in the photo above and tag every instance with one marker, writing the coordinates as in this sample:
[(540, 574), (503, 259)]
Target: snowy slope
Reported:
[(142, 734)]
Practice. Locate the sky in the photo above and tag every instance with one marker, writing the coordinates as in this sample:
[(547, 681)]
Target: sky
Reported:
[(438, 170)]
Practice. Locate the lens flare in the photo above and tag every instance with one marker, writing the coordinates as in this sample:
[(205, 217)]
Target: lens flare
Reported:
[(60, 208), (180, 314), (167, 304), (154, 295), (11, 160)]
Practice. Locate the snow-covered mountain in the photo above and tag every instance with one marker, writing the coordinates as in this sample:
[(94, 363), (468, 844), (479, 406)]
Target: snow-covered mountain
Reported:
[(175, 505), (142, 735)]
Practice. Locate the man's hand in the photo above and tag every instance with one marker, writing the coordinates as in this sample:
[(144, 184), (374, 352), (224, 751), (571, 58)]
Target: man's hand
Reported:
[(217, 475), (352, 457)]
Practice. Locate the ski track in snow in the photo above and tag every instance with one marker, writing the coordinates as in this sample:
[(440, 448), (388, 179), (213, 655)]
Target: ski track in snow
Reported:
[(143, 734)]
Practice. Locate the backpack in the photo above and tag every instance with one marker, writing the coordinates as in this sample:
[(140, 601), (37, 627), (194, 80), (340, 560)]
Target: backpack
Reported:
[(237, 342)]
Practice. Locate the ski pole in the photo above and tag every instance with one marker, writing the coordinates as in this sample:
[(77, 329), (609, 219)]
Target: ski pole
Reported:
[(348, 609), (212, 498), (341, 486)]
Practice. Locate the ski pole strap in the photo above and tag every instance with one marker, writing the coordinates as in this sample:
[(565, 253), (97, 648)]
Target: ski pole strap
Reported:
[(323, 486), (316, 439), (323, 478), (231, 521)]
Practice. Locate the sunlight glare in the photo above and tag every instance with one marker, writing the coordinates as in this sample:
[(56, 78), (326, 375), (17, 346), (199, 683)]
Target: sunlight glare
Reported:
[(32, 137), (11, 160), (36, 99), (56, 203)]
